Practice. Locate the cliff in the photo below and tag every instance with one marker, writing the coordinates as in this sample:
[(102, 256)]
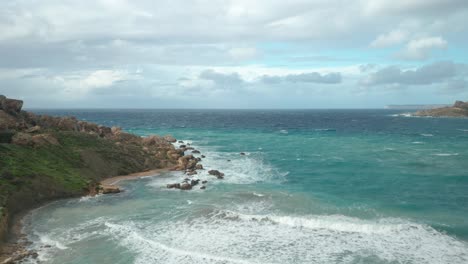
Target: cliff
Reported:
[(459, 109), (44, 158)]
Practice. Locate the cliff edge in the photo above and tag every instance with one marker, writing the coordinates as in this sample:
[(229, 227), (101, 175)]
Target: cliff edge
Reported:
[(43, 158)]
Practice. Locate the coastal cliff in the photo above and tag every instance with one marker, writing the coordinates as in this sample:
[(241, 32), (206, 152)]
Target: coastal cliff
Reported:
[(459, 109), (43, 158)]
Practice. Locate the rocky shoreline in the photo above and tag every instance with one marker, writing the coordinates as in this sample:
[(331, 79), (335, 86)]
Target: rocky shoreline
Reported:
[(62, 157), (459, 109)]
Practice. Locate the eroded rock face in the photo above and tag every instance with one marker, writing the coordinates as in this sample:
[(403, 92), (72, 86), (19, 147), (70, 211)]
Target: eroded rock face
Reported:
[(107, 189), (170, 138), (10, 106), (22, 139), (461, 104), (459, 109), (44, 139)]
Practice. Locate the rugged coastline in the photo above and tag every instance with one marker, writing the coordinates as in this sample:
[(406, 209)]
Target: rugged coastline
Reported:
[(45, 158), (459, 109)]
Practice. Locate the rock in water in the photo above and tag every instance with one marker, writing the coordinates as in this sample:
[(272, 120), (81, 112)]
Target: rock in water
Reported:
[(107, 189), (170, 138), (185, 186), (216, 173)]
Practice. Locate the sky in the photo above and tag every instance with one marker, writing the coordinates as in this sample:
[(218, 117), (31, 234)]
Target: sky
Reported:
[(233, 53)]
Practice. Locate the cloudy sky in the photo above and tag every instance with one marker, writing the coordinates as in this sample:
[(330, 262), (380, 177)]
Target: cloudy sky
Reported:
[(233, 53)]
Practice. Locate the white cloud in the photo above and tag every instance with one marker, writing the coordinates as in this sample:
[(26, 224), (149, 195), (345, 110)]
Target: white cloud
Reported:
[(392, 38), (420, 49)]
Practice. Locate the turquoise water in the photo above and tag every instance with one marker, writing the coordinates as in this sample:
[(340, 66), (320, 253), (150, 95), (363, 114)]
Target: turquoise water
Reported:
[(315, 186)]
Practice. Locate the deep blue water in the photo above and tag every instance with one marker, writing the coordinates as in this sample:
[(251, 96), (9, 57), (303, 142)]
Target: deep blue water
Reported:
[(316, 186)]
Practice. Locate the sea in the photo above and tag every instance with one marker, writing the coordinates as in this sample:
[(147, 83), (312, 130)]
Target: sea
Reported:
[(314, 186)]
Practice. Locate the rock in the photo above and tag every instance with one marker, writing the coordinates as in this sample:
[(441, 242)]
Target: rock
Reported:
[(228, 160), (182, 146), (190, 173), (22, 139), (242, 153), (185, 186), (44, 139), (203, 156), (180, 141), (195, 151), (170, 139), (68, 124), (460, 104), (107, 189), (173, 185), (199, 167), (216, 173), (115, 130), (203, 187), (204, 182), (104, 131), (194, 182), (33, 129), (7, 121), (10, 106), (6, 136), (198, 159)]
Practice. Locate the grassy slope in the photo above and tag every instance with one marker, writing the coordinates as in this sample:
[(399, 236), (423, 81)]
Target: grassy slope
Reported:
[(31, 175)]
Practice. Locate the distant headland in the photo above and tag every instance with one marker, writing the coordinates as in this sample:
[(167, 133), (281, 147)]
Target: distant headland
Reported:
[(459, 109)]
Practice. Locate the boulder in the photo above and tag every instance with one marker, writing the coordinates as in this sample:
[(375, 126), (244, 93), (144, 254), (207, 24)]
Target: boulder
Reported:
[(7, 121), (203, 187), (107, 189), (185, 186), (199, 167), (22, 139), (173, 186), (33, 129), (44, 139), (68, 124), (204, 182), (242, 153), (180, 141), (195, 151), (190, 173), (216, 173), (194, 182), (170, 139), (203, 156), (115, 130), (104, 131), (10, 106)]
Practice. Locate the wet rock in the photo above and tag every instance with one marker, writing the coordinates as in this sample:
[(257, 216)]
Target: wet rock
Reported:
[(194, 182), (195, 151), (203, 187), (190, 173), (185, 186), (182, 146), (199, 167), (180, 141), (204, 182), (203, 156), (173, 186), (242, 153), (216, 173)]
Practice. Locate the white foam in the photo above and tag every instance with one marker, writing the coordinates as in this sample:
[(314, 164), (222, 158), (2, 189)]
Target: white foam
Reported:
[(427, 135), (445, 154), (231, 237), (417, 142)]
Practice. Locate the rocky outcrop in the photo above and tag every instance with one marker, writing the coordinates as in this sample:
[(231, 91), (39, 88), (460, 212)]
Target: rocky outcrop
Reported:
[(459, 109), (216, 173), (10, 106), (64, 157)]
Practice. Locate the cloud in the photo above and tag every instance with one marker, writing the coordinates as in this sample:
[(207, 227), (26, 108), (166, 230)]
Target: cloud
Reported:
[(421, 49), (315, 77), (455, 87), (437, 72), (224, 80), (392, 38)]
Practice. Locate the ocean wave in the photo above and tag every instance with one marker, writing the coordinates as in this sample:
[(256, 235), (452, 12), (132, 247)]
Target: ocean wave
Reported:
[(232, 237), (445, 154)]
